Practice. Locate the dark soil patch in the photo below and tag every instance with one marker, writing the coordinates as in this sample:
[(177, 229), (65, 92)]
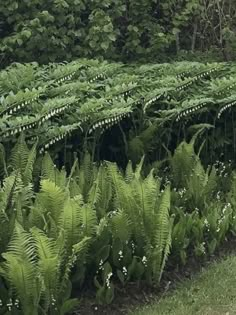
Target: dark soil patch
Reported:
[(139, 294)]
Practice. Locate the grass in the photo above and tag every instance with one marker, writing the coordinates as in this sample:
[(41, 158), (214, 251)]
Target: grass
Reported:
[(212, 292)]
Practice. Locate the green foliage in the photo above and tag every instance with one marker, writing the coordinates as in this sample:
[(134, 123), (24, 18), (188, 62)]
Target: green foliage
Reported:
[(143, 221), (203, 212), (62, 224), (115, 29), (111, 109), (99, 225)]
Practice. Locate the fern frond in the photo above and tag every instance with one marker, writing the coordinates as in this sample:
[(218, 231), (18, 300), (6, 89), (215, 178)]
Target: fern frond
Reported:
[(27, 175), (52, 198), (70, 221), (104, 183), (162, 236), (121, 226), (48, 168), (88, 220), (19, 155), (79, 252), (3, 164), (48, 261), (129, 172), (182, 163), (20, 270)]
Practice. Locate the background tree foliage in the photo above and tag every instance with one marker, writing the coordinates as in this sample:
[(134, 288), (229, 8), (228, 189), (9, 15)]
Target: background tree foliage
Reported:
[(62, 29)]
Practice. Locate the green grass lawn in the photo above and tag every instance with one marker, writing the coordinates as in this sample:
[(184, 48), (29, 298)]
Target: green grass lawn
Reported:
[(212, 292)]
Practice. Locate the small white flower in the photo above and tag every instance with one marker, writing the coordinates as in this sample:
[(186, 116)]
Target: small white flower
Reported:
[(9, 305), (133, 247), (100, 264), (17, 302), (125, 272), (144, 261), (108, 280), (120, 255)]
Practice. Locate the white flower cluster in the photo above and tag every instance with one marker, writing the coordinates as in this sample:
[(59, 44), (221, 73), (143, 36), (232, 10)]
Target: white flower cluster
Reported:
[(218, 195), (203, 249), (10, 304), (112, 213), (101, 265), (222, 218), (133, 247), (221, 169), (182, 192), (120, 255), (108, 283), (53, 300), (144, 261), (73, 258), (228, 205), (207, 225)]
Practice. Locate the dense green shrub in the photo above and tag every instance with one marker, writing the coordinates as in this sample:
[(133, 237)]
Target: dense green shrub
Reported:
[(42, 31), (48, 31), (45, 31)]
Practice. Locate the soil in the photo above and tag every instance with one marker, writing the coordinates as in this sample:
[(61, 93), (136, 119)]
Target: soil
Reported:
[(136, 295)]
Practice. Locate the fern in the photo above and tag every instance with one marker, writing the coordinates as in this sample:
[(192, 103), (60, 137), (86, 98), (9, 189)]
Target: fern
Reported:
[(3, 164), (88, 220), (19, 155), (52, 198), (162, 240), (182, 163), (48, 262), (20, 271), (12, 202), (85, 175), (70, 221), (120, 223), (48, 168), (27, 175)]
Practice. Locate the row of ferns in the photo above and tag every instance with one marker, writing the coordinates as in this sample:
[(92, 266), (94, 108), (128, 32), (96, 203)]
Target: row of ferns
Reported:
[(119, 112), (70, 221), (101, 227)]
